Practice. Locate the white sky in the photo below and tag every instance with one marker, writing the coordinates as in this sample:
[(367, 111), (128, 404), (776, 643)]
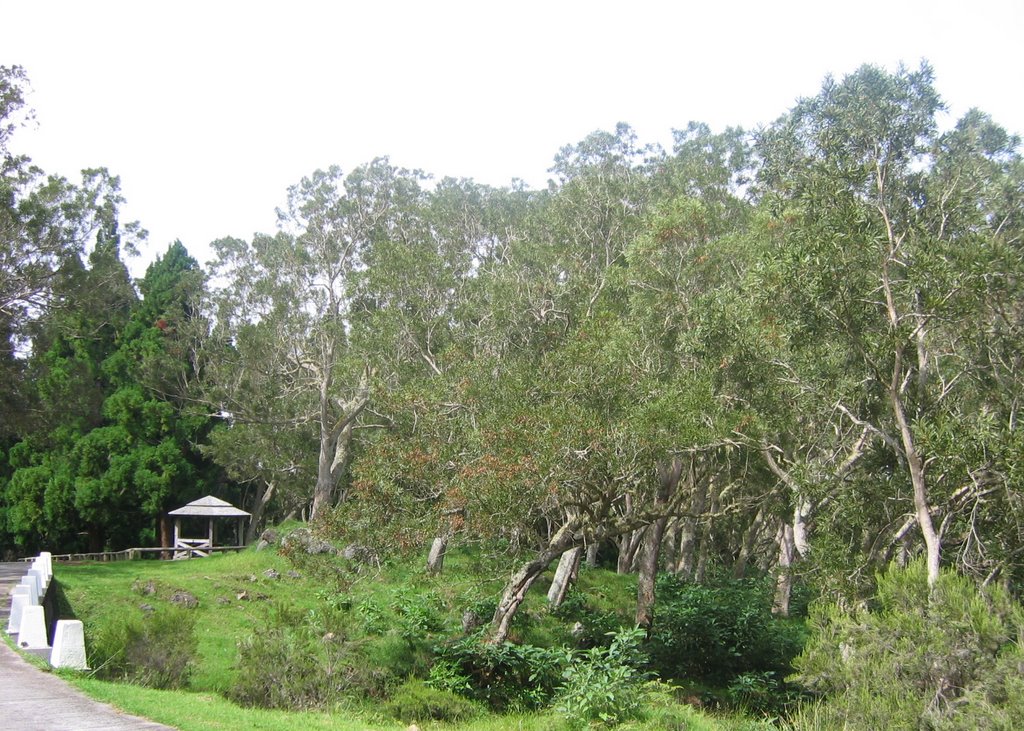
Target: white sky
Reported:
[(209, 110)]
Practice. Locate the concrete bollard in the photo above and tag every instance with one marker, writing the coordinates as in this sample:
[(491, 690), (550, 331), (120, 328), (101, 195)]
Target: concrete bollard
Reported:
[(31, 580), (69, 645), (47, 560), (20, 599), (32, 632), (39, 566), (40, 575), (26, 588)]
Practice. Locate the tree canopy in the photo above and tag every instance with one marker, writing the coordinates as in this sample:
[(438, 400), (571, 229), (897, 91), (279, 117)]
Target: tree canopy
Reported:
[(794, 350)]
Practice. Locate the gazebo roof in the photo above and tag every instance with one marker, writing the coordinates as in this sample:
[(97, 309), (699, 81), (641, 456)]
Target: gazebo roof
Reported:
[(210, 507)]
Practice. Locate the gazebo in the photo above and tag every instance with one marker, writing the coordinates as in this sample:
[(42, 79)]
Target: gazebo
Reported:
[(205, 507)]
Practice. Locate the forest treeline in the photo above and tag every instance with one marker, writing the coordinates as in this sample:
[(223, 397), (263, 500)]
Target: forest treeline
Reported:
[(795, 349)]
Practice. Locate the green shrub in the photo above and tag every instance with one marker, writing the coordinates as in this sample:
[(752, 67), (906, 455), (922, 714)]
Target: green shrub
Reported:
[(761, 692), (446, 674), (573, 605), (716, 633), (484, 608), (945, 658), (504, 676), (412, 614), (416, 701), (156, 648), (305, 660), (996, 699), (604, 684), (290, 669), (417, 612), (372, 617)]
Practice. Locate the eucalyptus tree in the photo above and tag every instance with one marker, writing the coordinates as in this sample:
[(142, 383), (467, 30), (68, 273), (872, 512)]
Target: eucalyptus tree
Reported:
[(892, 253), (45, 221), (600, 194), (27, 259), (415, 307), (490, 309), (682, 294), (48, 224), (284, 354), (624, 428), (641, 247)]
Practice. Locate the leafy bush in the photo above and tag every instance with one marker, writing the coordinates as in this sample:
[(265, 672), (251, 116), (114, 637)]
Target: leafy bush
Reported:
[(371, 614), (484, 608), (505, 676), (447, 675), (573, 605), (716, 633), (604, 684), (279, 668), (945, 658), (418, 613), (417, 701), (156, 649), (304, 660), (413, 615), (761, 692), (996, 699)]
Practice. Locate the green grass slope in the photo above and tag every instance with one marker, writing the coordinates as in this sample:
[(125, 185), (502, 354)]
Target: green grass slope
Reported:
[(390, 616)]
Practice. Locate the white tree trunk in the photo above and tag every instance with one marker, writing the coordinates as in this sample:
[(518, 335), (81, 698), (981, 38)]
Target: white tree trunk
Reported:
[(567, 567), (435, 559), (629, 544), (335, 438), (784, 579)]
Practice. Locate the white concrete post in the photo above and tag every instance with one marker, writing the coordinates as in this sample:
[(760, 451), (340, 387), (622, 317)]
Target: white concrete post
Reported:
[(47, 559), (31, 580), (40, 575), (20, 599), (28, 589), (32, 634), (69, 645), (39, 564)]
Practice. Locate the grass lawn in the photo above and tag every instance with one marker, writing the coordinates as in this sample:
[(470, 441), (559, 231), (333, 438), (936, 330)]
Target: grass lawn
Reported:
[(93, 592)]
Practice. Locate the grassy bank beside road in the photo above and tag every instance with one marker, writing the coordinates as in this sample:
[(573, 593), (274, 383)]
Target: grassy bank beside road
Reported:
[(379, 630)]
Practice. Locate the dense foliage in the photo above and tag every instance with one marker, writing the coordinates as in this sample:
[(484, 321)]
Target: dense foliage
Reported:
[(718, 631), (949, 657)]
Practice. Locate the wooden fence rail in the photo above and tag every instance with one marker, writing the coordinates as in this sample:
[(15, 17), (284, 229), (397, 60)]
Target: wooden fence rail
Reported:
[(132, 554)]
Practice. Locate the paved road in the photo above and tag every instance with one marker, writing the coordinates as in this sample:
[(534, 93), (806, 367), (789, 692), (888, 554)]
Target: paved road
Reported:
[(34, 700), (10, 575)]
